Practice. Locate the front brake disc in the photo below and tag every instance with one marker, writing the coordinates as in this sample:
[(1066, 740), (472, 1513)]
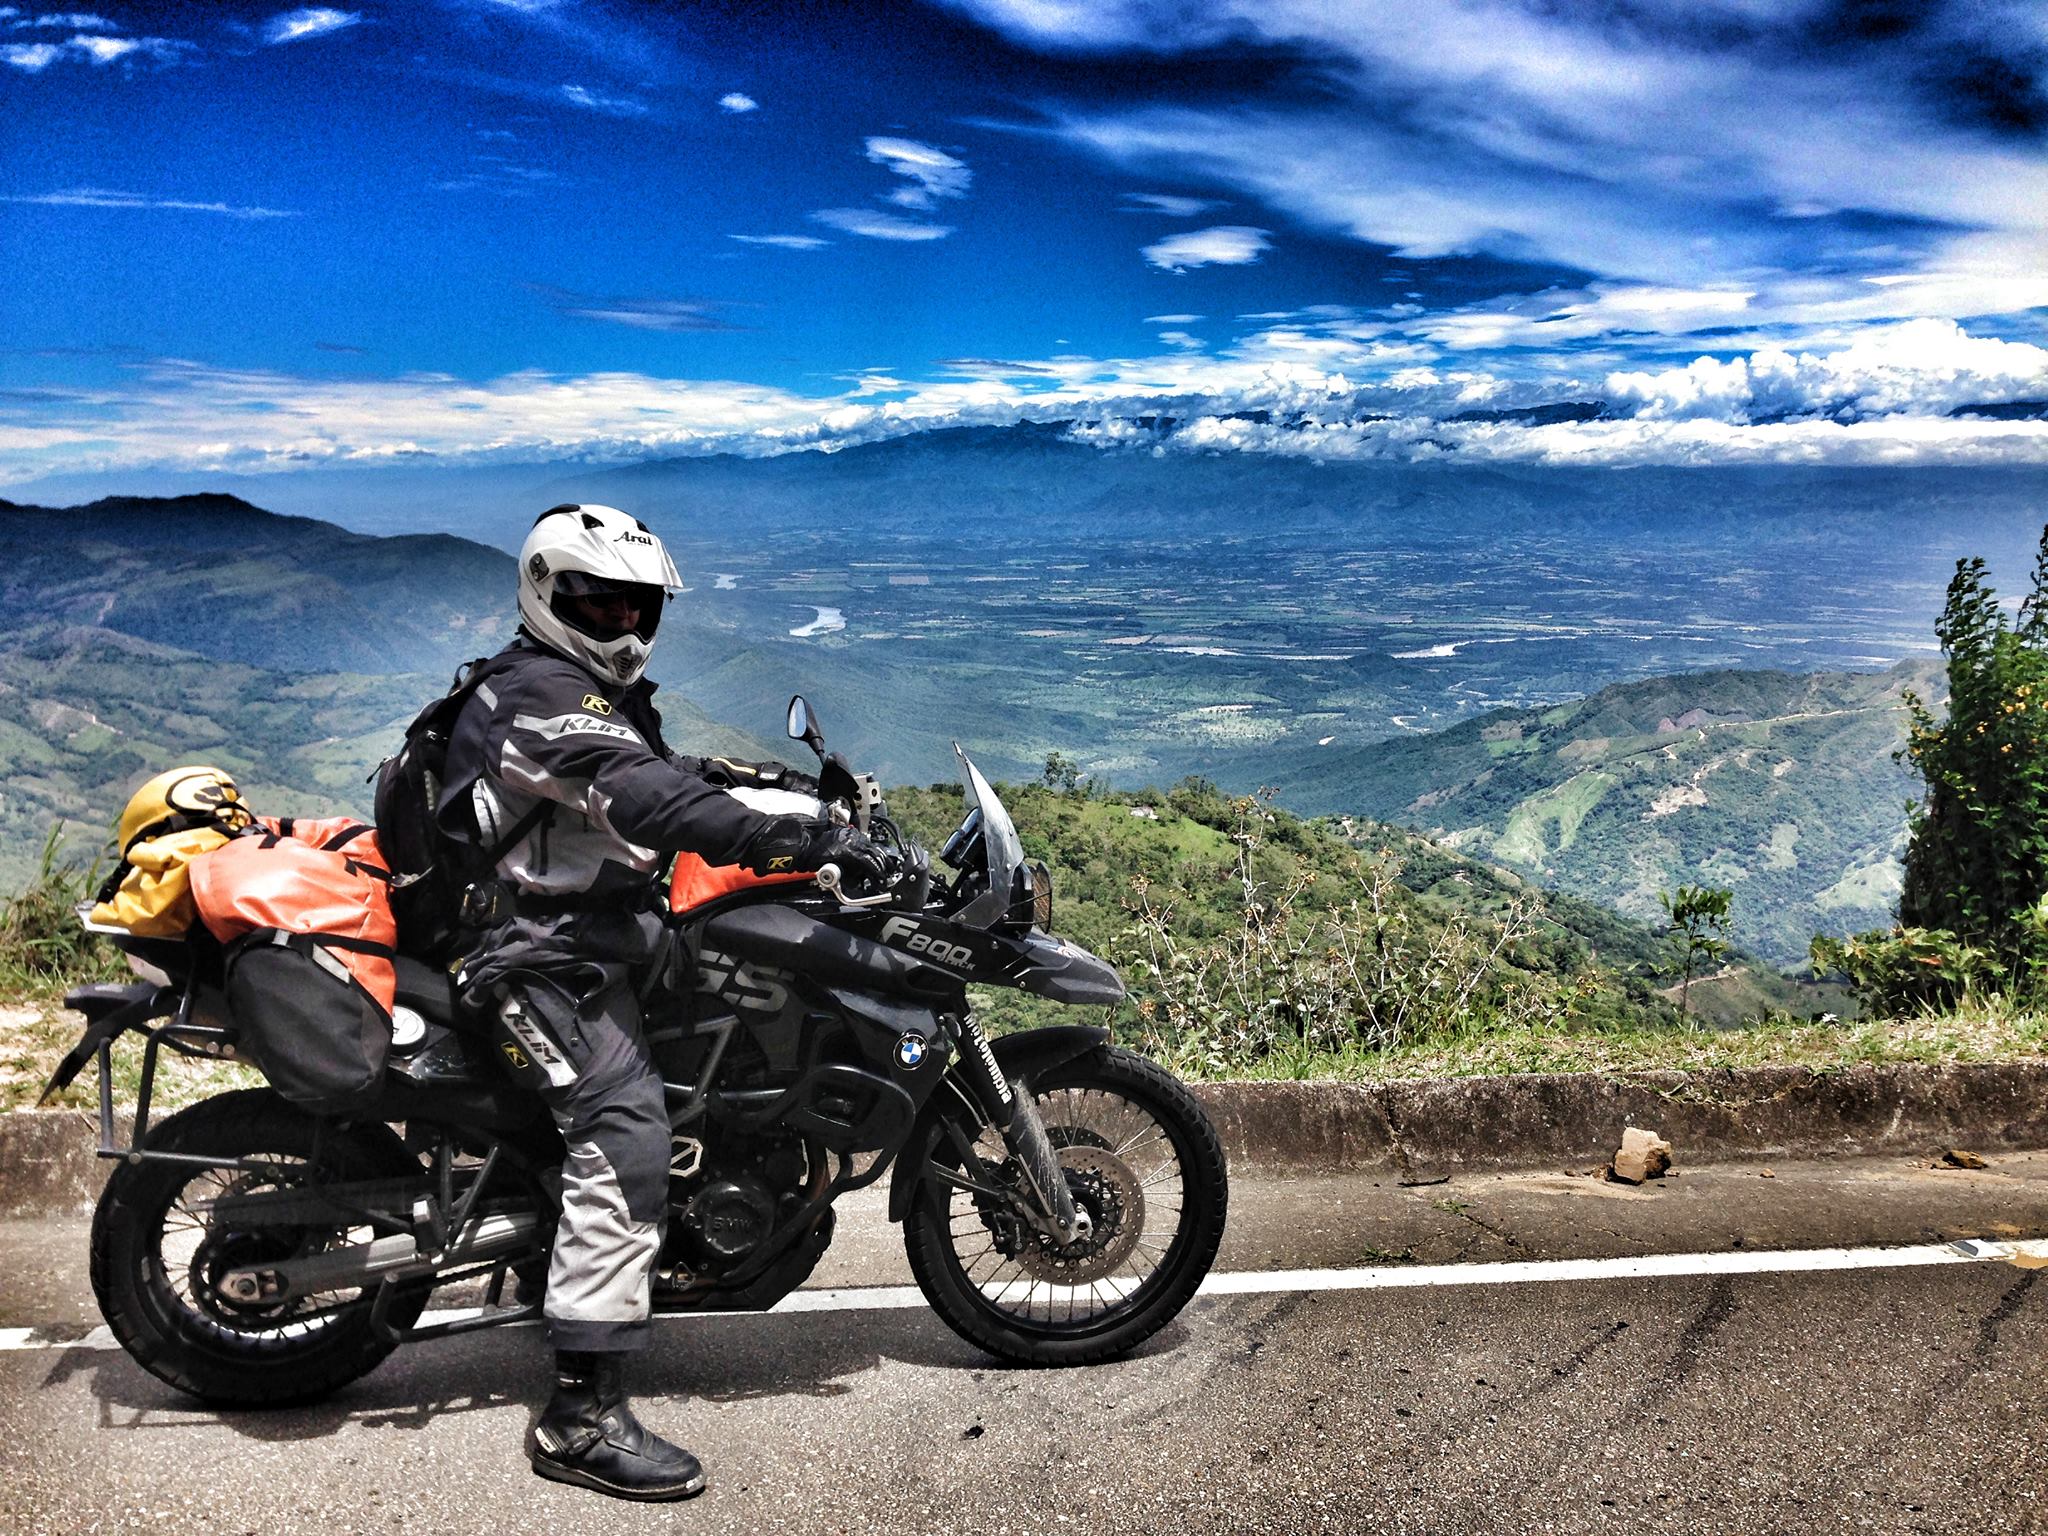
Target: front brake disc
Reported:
[(1104, 1186)]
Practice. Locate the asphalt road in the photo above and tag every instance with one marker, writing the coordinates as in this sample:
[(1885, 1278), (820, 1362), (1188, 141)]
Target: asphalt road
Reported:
[(1888, 1399)]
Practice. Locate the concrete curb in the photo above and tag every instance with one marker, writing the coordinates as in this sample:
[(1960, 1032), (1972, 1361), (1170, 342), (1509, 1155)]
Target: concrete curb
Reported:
[(1419, 1130), (1440, 1125)]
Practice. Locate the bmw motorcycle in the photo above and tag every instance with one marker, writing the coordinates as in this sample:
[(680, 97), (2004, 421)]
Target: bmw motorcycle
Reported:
[(1061, 1198)]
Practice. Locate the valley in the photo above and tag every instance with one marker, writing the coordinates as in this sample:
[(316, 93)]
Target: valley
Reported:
[(1613, 682)]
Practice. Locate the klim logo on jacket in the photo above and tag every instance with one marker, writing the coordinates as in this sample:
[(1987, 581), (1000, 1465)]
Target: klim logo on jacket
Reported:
[(597, 703)]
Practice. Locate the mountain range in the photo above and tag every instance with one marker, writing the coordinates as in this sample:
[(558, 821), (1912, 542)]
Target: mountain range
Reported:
[(1484, 655)]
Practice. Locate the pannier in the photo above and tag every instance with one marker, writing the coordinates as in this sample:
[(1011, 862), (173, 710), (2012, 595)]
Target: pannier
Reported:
[(302, 912)]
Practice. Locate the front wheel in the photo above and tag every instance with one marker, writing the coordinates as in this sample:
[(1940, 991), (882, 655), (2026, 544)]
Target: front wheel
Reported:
[(1144, 1163), (160, 1245)]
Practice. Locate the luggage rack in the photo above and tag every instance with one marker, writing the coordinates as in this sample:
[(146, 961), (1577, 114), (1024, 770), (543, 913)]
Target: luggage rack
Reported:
[(112, 1009)]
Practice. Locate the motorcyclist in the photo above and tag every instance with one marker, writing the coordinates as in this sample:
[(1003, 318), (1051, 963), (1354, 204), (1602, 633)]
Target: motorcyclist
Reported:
[(561, 745)]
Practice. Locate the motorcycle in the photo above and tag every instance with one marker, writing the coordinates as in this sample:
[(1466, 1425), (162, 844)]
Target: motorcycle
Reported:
[(1061, 1198)]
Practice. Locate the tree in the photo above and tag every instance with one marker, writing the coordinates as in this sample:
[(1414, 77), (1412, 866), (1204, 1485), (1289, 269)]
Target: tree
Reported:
[(1061, 772), (1978, 860), (1699, 915)]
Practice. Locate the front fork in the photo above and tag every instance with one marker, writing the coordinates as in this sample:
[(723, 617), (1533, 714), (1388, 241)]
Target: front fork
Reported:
[(1008, 1106)]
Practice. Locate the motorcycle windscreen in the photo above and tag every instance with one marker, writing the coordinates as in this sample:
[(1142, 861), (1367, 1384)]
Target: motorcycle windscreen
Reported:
[(1005, 851)]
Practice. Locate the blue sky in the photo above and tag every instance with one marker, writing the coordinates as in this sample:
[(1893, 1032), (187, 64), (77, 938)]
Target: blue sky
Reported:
[(250, 237)]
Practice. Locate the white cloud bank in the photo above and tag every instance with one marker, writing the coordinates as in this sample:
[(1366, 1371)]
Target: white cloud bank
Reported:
[(1309, 387), (738, 102), (1919, 367)]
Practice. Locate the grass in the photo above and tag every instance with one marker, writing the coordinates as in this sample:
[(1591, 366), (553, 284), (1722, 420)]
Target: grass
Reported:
[(35, 1031), (42, 951), (1769, 1042)]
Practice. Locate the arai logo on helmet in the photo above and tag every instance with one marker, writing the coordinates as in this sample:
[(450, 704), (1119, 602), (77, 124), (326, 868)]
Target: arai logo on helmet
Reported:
[(910, 1051), (630, 537)]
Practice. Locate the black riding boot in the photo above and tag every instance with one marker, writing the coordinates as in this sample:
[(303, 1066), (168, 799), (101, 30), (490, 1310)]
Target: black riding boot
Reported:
[(587, 1435)]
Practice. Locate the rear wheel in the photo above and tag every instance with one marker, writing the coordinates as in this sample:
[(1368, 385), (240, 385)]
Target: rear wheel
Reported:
[(160, 1249), (1141, 1159)]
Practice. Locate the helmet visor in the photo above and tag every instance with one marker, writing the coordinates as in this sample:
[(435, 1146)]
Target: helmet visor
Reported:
[(607, 610)]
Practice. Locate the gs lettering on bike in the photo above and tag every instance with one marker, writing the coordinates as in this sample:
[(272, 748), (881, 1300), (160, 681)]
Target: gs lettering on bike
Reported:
[(738, 983)]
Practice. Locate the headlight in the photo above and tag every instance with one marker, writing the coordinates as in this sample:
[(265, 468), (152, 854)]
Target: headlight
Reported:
[(1031, 900)]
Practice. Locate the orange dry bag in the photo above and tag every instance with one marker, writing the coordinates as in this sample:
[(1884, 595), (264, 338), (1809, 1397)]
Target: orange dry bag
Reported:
[(303, 910)]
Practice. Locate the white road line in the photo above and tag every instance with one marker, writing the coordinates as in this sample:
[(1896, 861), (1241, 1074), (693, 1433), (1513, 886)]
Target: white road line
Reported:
[(1652, 1266)]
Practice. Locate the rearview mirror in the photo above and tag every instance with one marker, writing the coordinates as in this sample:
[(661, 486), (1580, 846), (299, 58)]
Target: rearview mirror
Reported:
[(803, 725)]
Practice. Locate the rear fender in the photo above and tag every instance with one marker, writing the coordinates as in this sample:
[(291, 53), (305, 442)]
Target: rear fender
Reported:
[(109, 1008), (1023, 1057)]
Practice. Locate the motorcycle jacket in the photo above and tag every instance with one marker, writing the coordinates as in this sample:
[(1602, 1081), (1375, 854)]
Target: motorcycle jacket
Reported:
[(581, 764)]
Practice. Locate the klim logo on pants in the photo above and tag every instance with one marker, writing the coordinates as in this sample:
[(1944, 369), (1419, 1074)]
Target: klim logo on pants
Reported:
[(538, 1046)]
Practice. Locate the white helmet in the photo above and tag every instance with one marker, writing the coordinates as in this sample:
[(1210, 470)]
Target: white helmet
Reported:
[(593, 552)]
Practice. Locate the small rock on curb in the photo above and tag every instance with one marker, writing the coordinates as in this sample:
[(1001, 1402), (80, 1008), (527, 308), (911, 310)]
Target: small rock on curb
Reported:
[(1956, 1157), (1643, 1155)]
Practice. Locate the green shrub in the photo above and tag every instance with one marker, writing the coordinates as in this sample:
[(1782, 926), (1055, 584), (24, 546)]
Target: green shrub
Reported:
[(1907, 971), (41, 941), (1305, 973)]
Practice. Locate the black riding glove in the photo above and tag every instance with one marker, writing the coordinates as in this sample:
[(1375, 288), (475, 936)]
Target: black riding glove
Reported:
[(793, 845)]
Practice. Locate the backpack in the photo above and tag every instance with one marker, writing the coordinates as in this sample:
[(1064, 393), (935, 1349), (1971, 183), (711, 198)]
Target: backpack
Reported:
[(435, 865)]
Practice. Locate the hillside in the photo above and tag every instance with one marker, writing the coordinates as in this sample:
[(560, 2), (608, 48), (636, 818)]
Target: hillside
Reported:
[(1182, 846), (216, 575), (1273, 657), (1780, 786)]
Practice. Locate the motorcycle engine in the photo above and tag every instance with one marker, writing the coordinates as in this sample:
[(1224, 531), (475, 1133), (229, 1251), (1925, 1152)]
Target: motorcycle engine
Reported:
[(730, 1207)]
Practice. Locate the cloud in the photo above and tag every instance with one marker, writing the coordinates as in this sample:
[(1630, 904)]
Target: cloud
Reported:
[(105, 50), (609, 106), (102, 197), (1920, 367), (1647, 143), (784, 242), (70, 21), (933, 173), (341, 347), (1172, 319), (87, 48), (877, 225), (639, 313), (1166, 203), (312, 21), (499, 174), (1330, 384), (738, 101), (1230, 245)]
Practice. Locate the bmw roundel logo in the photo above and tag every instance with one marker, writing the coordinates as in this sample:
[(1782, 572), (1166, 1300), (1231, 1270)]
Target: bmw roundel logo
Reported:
[(910, 1050)]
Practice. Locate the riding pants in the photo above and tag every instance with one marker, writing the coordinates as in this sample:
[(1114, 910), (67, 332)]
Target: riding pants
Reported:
[(573, 1034)]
